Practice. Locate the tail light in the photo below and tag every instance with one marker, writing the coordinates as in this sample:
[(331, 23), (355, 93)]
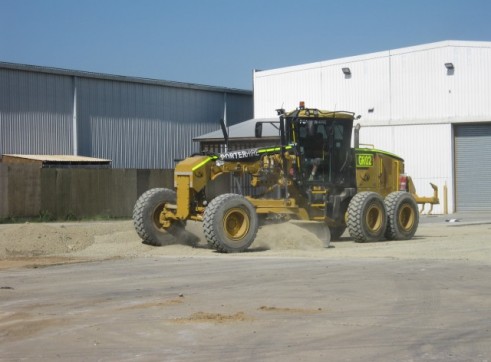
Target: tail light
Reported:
[(403, 182)]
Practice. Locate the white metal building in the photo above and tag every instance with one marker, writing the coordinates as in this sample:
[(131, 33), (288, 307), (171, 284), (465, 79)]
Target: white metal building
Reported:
[(430, 104)]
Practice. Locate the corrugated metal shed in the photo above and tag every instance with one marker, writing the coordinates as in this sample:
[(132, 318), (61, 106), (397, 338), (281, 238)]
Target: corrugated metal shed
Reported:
[(137, 123), (409, 99)]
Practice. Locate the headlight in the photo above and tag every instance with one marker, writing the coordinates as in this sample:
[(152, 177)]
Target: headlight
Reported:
[(219, 163)]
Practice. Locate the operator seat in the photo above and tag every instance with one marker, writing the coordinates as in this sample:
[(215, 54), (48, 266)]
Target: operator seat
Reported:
[(313, 148)]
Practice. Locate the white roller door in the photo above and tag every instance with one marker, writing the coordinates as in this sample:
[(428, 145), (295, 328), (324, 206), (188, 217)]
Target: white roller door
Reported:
[(473, 167)]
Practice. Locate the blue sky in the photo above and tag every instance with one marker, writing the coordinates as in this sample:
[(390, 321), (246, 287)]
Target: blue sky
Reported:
[(220, 42)]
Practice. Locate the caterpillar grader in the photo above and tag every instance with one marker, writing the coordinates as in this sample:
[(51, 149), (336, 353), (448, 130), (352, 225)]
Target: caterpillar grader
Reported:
[(312, 175)]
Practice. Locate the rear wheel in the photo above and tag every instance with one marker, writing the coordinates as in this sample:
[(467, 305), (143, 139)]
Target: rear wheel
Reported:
[(403, 216), (230, 223), (367, 219), (146, 217)]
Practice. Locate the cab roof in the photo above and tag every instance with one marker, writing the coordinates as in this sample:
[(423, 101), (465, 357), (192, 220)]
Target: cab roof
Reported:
[(318, 113)]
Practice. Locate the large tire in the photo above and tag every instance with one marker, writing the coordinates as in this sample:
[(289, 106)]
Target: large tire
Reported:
[(367, 218), (403, 216), (146, 214), (230, 223)]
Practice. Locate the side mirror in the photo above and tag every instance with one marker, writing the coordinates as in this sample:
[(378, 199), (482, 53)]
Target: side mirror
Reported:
[(258, 131)]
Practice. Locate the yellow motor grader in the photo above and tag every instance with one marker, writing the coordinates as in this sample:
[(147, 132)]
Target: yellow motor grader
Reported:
[(312, 175)]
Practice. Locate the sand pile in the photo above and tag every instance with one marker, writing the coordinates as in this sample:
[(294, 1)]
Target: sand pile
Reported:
[(287, 236), (42, 239)]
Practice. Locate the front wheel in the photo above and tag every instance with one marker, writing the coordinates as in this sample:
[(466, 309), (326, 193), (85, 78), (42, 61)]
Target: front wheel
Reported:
[(367, 219), (230, 223), (403, 215), (146, 217)]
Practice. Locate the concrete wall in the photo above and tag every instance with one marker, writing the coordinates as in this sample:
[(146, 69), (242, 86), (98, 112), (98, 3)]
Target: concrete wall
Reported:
[(29, 191)]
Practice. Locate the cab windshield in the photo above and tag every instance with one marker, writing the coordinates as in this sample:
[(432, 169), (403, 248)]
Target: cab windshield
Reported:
[(322, 147)]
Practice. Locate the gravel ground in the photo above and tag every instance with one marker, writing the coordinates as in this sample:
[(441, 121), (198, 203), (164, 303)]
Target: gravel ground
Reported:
[(438, 237)]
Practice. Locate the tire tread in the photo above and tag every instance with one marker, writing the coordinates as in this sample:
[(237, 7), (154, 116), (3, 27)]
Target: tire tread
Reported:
[(208, 222), (355, 215), (139, 217), (391, 203)]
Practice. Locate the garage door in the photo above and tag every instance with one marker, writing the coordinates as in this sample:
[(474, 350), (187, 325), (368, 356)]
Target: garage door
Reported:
[(473, 167)]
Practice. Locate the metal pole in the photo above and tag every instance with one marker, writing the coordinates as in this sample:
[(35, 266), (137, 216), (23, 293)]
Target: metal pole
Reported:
[(74, 115)]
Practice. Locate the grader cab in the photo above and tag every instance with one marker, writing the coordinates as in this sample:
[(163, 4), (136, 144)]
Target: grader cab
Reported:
[(313, 175)]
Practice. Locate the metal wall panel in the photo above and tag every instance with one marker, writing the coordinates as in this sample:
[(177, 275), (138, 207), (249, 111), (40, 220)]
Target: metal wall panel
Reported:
[(402, 86), (420, 86), (427, 154), (285, 90), (239, 108), (35, 113), (423, 89), (365, 91), (473, 167), (148, 126), (324, 85), (135, 123), (471, 93)]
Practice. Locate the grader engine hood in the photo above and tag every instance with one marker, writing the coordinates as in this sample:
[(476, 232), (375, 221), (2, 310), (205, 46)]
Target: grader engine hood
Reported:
[(191, 173)]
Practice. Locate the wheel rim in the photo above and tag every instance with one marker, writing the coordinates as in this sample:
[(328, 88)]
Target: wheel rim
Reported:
[(406, 217), (156, 218), (236, 223), (373, 218), (156, 215)]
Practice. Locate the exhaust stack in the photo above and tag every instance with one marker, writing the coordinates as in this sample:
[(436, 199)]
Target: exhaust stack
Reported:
[(357, 135)]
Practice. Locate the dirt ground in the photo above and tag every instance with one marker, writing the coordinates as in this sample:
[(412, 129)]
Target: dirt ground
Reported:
[(38, 244), (288, 298)]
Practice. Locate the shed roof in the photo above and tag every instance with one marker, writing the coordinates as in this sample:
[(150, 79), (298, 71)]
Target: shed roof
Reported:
[(244, 130), (121, 78), (55, 160)]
